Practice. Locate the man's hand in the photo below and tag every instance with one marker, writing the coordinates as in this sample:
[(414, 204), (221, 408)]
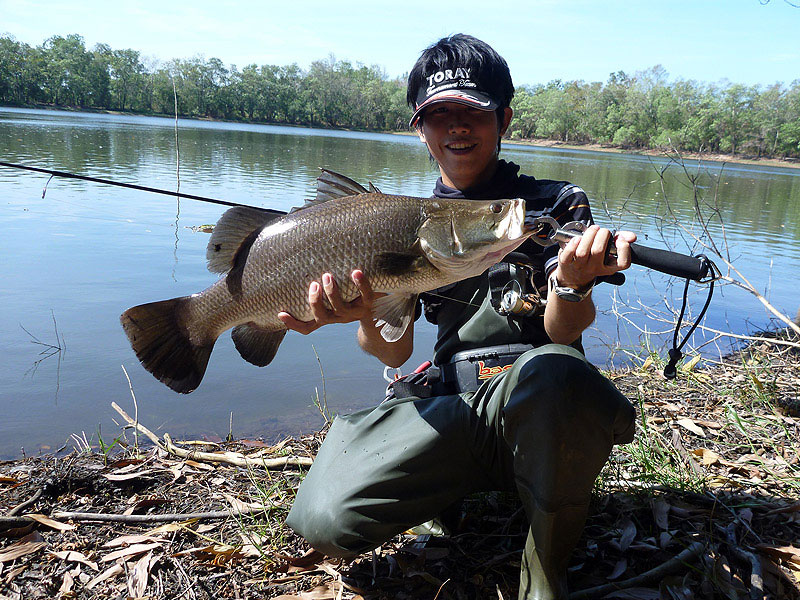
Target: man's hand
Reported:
[(359, 309), (584, 258), (580, 261)]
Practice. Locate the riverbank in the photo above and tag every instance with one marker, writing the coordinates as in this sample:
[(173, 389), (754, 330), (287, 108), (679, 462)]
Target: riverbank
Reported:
[(704, 503), (789, 163)]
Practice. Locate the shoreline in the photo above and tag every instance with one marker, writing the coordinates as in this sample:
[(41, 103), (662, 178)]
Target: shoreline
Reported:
[(787, 163)]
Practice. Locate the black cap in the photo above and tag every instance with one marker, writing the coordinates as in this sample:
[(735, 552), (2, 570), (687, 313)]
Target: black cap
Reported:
[(455, 84)]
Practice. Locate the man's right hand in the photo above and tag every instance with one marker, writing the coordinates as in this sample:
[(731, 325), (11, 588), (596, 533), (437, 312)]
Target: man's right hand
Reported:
[(358, 309)]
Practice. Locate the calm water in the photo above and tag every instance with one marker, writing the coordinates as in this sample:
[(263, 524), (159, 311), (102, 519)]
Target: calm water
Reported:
[(73, 261)]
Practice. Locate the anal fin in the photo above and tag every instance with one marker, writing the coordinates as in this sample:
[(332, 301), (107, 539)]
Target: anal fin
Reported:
[(256, 345)]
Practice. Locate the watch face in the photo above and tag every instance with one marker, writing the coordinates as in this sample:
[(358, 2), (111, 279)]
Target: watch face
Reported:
[(569, 294)]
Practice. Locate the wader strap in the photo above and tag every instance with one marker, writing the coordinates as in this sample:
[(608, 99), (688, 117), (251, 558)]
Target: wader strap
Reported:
[(499, 276)]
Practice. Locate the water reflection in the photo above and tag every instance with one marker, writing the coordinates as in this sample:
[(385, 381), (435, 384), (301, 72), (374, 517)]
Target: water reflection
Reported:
[(87, 252)]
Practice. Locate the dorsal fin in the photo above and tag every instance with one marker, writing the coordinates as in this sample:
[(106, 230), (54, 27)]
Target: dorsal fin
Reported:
[(373, 189), (237, 227), (332, 185)]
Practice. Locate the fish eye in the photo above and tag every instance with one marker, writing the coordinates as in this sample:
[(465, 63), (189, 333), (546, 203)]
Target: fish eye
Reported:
[(496, 207)]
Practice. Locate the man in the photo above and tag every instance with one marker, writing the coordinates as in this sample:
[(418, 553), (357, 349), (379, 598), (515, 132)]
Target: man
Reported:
[(545, 425)]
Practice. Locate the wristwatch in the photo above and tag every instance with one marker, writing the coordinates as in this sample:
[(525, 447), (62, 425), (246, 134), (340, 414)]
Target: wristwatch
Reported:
[(567, 293)]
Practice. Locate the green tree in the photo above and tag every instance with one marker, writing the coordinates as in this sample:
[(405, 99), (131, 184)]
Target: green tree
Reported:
[(127, 77)]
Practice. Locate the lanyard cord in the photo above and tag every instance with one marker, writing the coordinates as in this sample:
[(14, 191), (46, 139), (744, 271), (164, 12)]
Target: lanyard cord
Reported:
[(675, 354)]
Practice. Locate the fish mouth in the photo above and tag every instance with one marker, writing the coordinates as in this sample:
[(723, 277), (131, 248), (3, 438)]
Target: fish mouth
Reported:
[(497, 255)]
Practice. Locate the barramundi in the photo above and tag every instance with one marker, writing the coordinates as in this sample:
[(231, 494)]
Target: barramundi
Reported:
[(404, 245)]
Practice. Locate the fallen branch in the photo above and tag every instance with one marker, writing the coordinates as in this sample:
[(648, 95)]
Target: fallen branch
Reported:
[(120, 518), (230, 458), (655, 574)]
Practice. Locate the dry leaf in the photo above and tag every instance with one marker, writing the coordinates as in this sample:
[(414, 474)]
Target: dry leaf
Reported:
[(48, 522), (707, 457), (199, 465), (215, 554), (691, 426), (75, 556), (691, 364), (22, 547), (146, 503), (628, 534), (66, 584), (619, 569), (787, 553), (240, 506), (131, 551), (720, 481), (127, 476), (138, 576), (660, 512), (635, 594), (126, 540), (110, 572), (170, 527)]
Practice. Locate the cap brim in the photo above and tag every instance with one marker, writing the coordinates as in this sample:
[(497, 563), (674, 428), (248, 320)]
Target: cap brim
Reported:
[(477, 100)]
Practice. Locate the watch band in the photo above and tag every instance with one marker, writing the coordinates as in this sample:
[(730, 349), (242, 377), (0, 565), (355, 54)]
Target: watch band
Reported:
[(567, 293)]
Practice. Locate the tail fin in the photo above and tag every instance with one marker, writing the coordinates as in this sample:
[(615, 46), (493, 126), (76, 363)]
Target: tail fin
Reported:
[(163, 346)]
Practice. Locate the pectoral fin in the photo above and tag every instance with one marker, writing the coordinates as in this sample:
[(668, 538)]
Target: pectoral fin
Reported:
[(393, 314), (398, 264)]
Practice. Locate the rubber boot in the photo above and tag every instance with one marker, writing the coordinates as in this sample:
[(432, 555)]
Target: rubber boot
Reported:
[(551, 539), (561, 420)]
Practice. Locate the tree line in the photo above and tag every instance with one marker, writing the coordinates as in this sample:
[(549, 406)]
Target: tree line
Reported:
[(639, 111)]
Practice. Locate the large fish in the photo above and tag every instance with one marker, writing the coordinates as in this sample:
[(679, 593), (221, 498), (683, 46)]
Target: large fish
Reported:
[(404, 245)]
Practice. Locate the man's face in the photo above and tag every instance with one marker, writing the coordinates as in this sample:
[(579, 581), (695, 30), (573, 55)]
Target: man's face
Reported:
[(463, 140)]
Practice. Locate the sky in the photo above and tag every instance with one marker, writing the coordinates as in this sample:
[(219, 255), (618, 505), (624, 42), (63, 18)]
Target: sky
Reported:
[(743, 41)]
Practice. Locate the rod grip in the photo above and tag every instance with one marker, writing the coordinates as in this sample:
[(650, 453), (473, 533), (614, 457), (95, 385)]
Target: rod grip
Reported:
[(671, 263)]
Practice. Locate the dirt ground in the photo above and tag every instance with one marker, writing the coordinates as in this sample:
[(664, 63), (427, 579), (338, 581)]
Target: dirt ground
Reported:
[(789, 163), (703, 504)]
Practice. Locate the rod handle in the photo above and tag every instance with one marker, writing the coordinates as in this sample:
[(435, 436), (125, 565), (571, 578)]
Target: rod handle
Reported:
[(671, 263)]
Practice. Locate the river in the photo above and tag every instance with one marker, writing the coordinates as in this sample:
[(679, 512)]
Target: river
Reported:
[(75, 259)]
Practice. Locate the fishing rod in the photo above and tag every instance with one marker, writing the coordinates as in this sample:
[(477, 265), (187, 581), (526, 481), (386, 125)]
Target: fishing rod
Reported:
[(134, 186)]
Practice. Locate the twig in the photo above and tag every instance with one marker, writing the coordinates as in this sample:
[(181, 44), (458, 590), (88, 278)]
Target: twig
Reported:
[(231, 458), (439, 591), (655, 574), (138, 426), (20, 507), (135, 411)]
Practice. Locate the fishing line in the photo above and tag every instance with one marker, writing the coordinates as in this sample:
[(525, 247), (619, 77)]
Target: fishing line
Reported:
[(178, 177), (453, 299)]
